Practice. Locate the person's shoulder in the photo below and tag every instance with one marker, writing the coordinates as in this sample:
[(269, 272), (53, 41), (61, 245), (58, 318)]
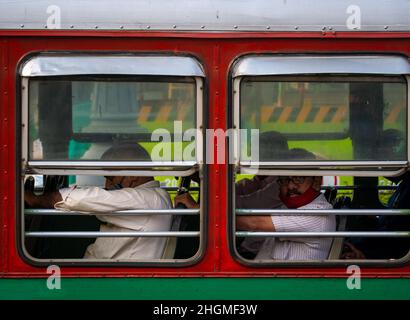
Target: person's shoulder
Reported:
[(319, 202)]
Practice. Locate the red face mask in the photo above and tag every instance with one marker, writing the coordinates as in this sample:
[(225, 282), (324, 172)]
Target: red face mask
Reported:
[(300, 201)]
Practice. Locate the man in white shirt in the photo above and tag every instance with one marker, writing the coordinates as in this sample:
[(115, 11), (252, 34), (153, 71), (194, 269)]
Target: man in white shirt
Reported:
[(120, 193), (295, 193)]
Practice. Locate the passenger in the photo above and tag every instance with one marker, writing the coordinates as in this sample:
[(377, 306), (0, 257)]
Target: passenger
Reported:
[(391, 144), (120, 193), (295, 193), (386, 248), (261, 192)]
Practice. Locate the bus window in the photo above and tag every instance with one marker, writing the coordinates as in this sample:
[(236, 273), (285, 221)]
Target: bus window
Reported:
[(319, 120), (330, 116), (109, 138)]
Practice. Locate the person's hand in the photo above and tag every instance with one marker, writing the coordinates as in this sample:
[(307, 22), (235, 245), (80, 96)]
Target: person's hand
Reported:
[(187, 200), (29, 198), (351, 252), (47, 200)]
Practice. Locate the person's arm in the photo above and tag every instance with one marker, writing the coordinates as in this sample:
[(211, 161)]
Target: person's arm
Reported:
[(187, 200), (266, 196), (47, 200), (255, 223), (247, 186), (95, 199)]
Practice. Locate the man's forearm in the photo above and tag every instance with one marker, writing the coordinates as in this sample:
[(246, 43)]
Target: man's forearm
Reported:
[(47, 200), (256, 223)]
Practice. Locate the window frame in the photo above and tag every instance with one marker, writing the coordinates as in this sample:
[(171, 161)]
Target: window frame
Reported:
[(322, 168), (109, 168)]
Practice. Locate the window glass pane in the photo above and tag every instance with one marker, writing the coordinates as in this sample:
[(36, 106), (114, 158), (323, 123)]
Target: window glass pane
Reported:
[(336, 118), (97, 199), (80, 119), (320, 193)]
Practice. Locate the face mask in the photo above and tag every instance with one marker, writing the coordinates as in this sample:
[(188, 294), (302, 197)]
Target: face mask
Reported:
[(300, 201)]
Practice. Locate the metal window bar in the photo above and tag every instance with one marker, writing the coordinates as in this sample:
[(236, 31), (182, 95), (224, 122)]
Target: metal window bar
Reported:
[(310, 212), (358, 187), (93, 234), (96, 234), (53, 212), (172, 189), (385, 234), (313, 212)]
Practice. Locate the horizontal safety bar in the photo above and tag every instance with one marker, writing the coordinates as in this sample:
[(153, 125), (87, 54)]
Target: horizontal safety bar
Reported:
[(323, 171), (358, 187), (176, 189), (384, 234), (152, 165), (332, 164), (333, 212), (96, 234), (53, 212)]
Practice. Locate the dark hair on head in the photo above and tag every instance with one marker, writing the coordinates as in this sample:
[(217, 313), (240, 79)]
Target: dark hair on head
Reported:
[(272, 146), (300, 154), (126, 151)]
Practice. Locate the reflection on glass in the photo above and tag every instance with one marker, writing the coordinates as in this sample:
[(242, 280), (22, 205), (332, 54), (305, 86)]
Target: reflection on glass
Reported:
[(343, 118), (79, 120)]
